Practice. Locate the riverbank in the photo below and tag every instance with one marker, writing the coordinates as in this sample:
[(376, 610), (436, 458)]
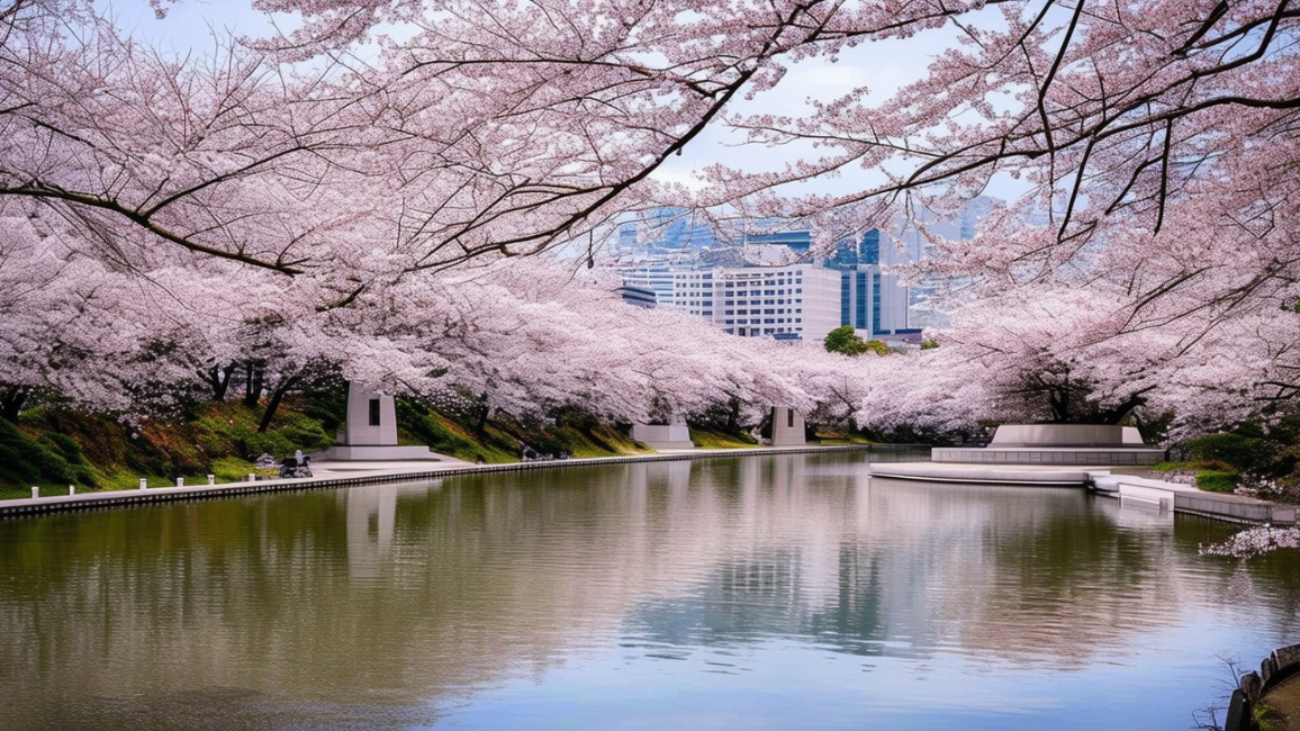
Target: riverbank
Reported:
[(1108, 481), (1268, 699), (24, 507), (53, 448)]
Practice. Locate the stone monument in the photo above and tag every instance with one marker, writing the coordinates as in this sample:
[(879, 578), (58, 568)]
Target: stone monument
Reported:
[(787, 427), (673, 435), (370, 432), (1072, 444)]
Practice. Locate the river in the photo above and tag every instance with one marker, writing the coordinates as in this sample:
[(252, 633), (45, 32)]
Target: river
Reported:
[(776, 592)]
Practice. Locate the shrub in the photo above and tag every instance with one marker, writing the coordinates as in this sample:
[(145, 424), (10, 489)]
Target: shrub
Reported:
[(52, 459), (877, 346), (1242, 452), (231, 469), (1216, 481), (307, 434), (844, 340)]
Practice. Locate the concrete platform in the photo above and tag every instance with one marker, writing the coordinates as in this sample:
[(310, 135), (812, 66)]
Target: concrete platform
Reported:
[(340, 468), (1165, 497), (1039, 475), (1188, 500), (1057, 444), (1054, 455), (377, 453)]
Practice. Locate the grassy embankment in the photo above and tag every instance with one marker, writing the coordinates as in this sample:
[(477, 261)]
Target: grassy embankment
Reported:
[(53, 448)]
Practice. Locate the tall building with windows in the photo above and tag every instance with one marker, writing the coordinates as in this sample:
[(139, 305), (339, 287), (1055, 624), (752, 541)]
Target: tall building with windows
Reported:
[(804, 300), (797, 301), (655, 276), (873, 301), (798, 241), (748, 290), (870, 300)]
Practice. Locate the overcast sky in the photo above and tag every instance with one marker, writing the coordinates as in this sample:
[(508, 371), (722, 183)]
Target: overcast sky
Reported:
[(195, 25)]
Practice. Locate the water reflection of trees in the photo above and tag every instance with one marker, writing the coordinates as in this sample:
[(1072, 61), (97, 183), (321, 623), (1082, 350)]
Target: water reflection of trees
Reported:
[(393, 595), (1022, 575)]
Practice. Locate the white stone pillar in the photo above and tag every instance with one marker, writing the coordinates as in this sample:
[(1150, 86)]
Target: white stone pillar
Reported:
[(372, 418), (787, 427)]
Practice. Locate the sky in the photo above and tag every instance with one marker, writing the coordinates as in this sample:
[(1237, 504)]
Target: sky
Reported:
[(198, 26)]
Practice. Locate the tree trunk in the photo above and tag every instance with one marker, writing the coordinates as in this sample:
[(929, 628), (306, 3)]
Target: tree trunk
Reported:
[(1059, 401), (218, 380), (1117, 414), (11, 402), (277, 395), (484, 410), (253, 377)]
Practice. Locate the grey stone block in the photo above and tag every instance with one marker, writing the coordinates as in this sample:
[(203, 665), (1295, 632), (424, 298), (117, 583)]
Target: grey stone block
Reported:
[(1252, 686), (1286, 658), (1237, 715)]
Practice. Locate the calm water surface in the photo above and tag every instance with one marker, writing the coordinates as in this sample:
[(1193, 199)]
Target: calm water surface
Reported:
[(785, 592)]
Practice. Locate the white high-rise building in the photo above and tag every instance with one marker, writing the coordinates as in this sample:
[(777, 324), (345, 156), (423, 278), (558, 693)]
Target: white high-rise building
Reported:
[(798, 301), (656, 276)]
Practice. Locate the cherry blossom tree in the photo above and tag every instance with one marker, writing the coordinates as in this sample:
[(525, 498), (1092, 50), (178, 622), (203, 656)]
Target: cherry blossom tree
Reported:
[(1153, 259), (534, 336), (344, 193)]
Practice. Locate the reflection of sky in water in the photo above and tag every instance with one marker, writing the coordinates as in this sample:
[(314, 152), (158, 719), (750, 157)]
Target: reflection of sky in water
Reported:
[(785, 592), (777, 683)]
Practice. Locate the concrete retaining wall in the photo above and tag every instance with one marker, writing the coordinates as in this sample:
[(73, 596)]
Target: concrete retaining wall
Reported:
[(1235, 511), (1282, 664), (1190, 501), (1063, 456)]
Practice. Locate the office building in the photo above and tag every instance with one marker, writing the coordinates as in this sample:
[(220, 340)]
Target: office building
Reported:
[(796, 301)]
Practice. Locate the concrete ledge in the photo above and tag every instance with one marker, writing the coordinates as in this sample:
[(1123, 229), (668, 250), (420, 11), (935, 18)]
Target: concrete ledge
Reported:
[(1104, 481), (377, 453), (1049, 455), (1188, 500), (1154, 496), (950, 472), (1239, 510)]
